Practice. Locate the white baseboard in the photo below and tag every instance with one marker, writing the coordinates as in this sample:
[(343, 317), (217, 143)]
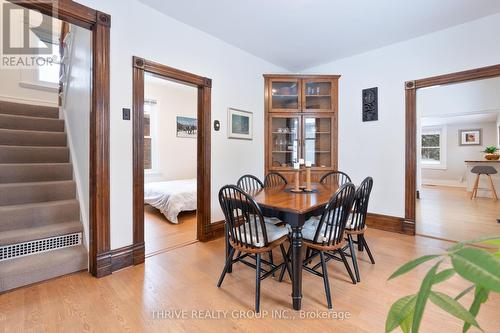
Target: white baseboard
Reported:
[(444, 182), (28, 101)]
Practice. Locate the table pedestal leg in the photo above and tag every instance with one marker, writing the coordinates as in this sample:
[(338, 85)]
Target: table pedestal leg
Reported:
[(297, 267)]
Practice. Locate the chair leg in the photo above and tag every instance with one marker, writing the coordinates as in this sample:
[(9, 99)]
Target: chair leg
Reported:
[(347, 267), (353, 257), (286, 264), (271, 260), (360, 244), (474, 188), (257, 284), (365, 244), (325, 280), (492, 188), (228, 264)]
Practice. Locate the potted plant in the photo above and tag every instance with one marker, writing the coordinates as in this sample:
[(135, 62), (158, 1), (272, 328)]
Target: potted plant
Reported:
[(491, 153)]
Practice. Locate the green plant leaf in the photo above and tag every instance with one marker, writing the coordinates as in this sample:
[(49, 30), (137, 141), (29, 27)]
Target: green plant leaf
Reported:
[(422, 296), (465, 292), (406, 323), (494, 242), (444, 275), (411, 265), (477, 266), (454, 308), (482, 239), (497, 255), (399, 312), (480, 297)]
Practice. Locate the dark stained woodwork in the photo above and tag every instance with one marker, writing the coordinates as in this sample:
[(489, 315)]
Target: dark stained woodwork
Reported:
[(407, 225), (390, 223), (99, 23), (205, 229), (300, 112)]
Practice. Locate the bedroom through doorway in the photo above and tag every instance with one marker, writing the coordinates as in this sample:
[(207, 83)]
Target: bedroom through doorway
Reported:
[(170, 164)]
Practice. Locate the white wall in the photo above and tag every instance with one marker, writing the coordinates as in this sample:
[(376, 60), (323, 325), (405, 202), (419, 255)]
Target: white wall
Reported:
[(456, 155), (76, 112), (176, 157), (377, 148), (137, 29)]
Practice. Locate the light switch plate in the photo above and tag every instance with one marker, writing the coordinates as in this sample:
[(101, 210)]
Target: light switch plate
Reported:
[(126, 114)]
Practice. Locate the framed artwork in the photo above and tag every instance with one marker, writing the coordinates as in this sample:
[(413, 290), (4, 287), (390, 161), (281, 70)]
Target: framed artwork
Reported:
[(470, 137), (240, 124), (370, 104), (187, 127)]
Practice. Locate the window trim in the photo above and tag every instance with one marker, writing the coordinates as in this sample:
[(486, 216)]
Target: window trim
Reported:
[(153, 134), (442, 131)]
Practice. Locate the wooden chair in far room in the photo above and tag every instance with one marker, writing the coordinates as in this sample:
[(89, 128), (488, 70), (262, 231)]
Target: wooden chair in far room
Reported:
[(486, 170)]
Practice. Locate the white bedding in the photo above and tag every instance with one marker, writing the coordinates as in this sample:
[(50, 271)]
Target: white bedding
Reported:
[(171, 197)]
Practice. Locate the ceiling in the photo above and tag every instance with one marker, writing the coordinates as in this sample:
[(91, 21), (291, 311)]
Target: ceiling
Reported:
[(490, 117), (300, 34)]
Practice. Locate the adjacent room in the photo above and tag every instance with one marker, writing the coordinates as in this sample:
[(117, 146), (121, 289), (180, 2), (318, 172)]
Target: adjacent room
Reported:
[(170, 164), (458, 183)]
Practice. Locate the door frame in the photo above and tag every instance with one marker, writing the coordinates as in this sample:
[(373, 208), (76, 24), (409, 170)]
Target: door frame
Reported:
[(99, 24), (411, 88), (205, 229)]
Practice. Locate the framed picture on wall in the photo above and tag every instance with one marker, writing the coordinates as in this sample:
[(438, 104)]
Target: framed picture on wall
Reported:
[(240, 124), (187, 127), (470, 137)]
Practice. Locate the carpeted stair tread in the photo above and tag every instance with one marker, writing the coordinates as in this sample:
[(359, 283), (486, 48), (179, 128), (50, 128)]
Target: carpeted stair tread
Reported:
[(30, 154), (45, 231), (35, 172), (8, 121), (38, 214), (9, 137), (29, 110), (23, 271), (23, 193)]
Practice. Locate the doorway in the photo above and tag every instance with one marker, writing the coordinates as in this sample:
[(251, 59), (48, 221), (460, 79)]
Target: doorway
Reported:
[(170, 164), (449, 123), (145, 71), (99, 25)]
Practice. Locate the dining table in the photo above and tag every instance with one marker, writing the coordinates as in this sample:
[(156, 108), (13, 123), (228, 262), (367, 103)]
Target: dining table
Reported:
[(294, 209)]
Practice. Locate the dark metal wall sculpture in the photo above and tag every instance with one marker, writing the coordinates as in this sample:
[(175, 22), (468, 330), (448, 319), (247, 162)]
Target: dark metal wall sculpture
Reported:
[(370, 104)]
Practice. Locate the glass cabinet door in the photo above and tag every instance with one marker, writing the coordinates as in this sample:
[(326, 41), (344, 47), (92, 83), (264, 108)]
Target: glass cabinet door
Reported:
[(285, 139), (318, 95), (318, 140), (285, 95)]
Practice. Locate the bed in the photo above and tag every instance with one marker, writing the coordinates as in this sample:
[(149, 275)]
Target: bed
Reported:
[(171, 197)]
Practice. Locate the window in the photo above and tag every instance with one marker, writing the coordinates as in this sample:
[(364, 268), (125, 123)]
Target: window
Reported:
[(433, 143), (49, 73), (150, 160)]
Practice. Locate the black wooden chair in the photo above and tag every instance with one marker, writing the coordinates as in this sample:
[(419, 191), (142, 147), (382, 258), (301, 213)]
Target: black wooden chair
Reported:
[(335, 177), (325, 236), (250, 235), (274, 179), (356, 224), (249, 183)]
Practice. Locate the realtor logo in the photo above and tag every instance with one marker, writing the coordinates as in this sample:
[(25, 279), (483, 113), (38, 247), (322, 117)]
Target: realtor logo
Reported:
[(27, 37)]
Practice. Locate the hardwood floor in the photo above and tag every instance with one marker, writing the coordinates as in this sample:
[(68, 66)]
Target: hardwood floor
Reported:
[(185, 279), (161, 235), (449, 213)]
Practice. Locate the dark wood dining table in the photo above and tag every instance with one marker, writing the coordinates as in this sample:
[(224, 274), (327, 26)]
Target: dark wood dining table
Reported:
[(294, 209)]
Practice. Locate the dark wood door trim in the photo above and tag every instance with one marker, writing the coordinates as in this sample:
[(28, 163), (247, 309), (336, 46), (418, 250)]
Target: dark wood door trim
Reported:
[(99, 24), (205, 230), (411, 88)]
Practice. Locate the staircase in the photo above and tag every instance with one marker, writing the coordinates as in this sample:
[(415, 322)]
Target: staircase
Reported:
[(40, 228)]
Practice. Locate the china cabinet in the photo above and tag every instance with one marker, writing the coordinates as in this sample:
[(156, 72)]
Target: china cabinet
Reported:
[(301, 122)]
